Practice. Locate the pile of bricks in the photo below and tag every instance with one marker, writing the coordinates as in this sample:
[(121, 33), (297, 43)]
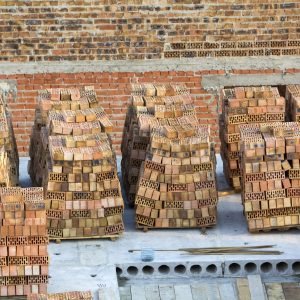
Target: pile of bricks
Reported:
[(77, 165), (23, 242), (9, 160), (293, 100), (270, 164), (174, 177), (245, 105), (62, 296), (136, 134)]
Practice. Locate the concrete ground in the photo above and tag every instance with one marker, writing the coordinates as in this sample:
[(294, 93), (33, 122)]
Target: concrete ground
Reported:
[(91, 264)]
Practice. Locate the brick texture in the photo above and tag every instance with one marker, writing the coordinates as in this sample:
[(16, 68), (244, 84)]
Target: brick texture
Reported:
[(113, 91), (107, 30)]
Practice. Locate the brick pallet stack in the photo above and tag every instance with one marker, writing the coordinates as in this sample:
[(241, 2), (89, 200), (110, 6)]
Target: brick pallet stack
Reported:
[(174, 162), (23, 242), (245, 105), (136, 133), (293, 100), (53, 100), (9, 160), (177, 186), (271, 175), (79, 172)]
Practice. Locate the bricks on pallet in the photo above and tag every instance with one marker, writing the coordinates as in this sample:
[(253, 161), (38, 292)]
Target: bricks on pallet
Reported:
[(148, 104), (78, 167), (175, 179), (9, 159), (271, 175), (245, 105), (23, 243)]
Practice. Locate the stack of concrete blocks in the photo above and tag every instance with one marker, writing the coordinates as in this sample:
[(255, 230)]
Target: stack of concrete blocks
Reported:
[(23, 242), (62, 296), (245, 105), (136, 139), (292, 96), (9, 159), (79, 171), (270, 165)]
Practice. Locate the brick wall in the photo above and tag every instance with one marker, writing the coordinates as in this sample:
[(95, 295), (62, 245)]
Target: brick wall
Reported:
[(73, 30), (113, 90)]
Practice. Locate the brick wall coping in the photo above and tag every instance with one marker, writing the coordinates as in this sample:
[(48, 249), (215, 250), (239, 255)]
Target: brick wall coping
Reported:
[(283, 63)]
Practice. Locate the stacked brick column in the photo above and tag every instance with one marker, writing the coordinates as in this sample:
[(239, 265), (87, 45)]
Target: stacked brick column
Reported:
[(176, 186), (23, 242), (247, 105), (77, 165), (271, 175), (136, 134), (176, 182)]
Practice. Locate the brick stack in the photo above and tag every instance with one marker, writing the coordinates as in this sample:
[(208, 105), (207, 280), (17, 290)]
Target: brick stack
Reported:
[(293, 100), (271, 175), (136, 134), (177, 186), (53, 100), (78, 170), (62, 296), (9, 160), (174, 163), (245, 105), (23, 242)]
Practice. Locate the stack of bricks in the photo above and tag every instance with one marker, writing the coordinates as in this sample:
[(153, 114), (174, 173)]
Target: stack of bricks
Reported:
[(136, 134), (23, 242), (62, 296), (293, 100), (174, 164), (9, 160), (245, 105), (53, 100), (78, 169), (177, 186), (270, 164)]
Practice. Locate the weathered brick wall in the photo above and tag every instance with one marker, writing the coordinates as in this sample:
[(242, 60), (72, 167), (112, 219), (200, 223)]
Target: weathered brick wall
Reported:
[(113, 90), (72, 30), (156, 34)]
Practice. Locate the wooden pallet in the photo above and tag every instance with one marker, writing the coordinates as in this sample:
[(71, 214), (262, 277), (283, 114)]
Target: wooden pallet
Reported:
[(202, 229), (111, 237), (282, 229)]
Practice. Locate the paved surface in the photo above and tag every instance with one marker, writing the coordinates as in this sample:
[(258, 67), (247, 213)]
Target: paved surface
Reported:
[(90, 264), (251, 288)]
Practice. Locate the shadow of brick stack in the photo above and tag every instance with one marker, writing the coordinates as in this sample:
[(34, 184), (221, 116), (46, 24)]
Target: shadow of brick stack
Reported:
[(293, 101), (9, 159)]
